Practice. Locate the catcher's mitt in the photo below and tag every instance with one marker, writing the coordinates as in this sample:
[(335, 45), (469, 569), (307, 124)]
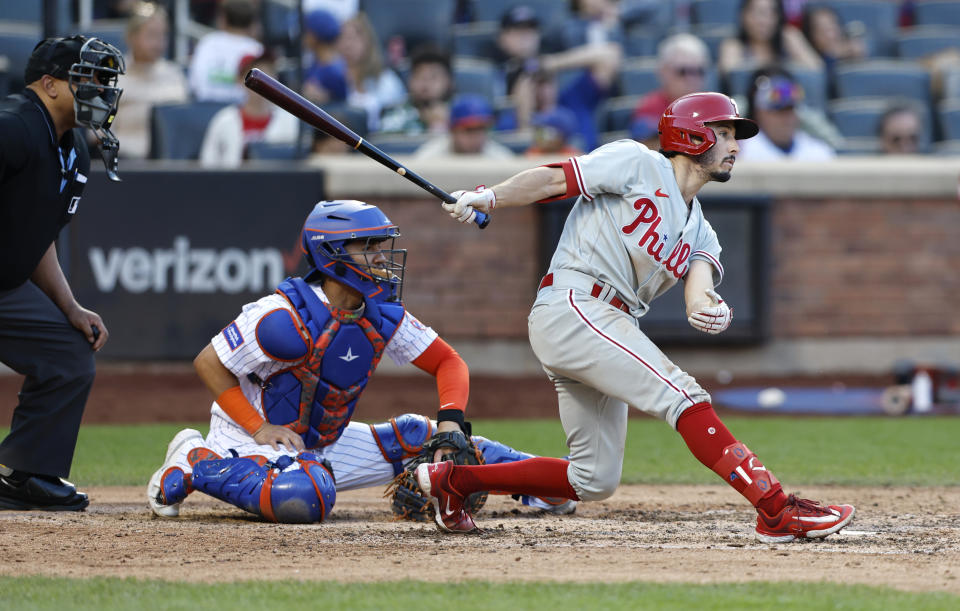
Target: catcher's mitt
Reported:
[(407, 499)]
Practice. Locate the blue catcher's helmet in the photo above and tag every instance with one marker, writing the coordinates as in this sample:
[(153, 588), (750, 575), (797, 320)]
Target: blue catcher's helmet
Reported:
[(327, 230)]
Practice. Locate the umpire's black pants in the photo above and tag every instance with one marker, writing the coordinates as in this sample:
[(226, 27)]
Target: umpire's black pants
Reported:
[(38, 341)]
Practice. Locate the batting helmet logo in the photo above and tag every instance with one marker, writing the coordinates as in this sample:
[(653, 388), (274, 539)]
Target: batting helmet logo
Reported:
[(690, 115)]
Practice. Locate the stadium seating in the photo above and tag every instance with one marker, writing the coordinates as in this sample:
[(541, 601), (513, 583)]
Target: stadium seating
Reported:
[(951, 83), (417, 22), (641, 41), (883, 78), (860, 117), (712, 35), (948, 114), (398, 144), (516, 141), (859, 146), (472, 75), (548, 11), (272, 151), (937, 12), (726, 12), (22, 11), (916, 43), (814, 83), (177, 130), (112, 31), (615, 113), (639, 76), (947, 148), (281, 25), (16, 44), (478, 39), (879, 17)]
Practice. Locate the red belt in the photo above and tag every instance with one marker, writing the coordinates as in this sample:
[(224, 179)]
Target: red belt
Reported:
[(594, 292)]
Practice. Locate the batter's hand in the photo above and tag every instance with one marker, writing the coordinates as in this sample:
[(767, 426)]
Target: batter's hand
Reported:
[(712, 319), (468, 202), (91, 325), (276, 435)]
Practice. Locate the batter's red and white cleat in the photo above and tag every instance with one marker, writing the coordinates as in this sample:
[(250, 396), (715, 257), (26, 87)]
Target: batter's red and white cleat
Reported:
[(802, 518), (451, 516), (155, 496)]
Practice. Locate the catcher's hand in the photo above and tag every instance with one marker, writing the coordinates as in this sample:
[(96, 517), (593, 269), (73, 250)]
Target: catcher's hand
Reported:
[(407, 499)]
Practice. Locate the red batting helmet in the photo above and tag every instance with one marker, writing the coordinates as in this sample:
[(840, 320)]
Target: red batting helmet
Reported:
[(688, 116)]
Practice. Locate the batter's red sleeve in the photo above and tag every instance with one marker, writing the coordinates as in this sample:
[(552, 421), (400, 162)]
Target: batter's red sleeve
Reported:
[(453, 379), (573, 187), (239, 409)]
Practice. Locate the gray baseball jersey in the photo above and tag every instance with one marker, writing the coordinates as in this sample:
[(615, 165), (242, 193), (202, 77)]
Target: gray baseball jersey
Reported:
[(630, 236), (631, 228)]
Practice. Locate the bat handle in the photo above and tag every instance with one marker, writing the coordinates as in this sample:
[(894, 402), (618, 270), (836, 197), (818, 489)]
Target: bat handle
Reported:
[(482, 219)]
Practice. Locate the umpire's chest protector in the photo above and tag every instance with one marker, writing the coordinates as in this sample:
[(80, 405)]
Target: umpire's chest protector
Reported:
[(316, 397)]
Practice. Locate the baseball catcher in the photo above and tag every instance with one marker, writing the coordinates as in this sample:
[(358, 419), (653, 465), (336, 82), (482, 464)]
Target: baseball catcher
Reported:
[(288, 373)]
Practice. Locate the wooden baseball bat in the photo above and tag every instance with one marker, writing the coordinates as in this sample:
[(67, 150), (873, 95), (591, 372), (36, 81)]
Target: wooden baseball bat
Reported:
[(313, 115)]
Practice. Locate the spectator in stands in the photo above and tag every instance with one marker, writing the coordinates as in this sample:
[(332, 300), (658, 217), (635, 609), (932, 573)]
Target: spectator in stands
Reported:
[(325, 79), (429, 89), (471, 117), (595, 67), (150, 79), (341, 9), (213, 68), (372, 85), (682, 62), (765, 38), (256, 120), (773, 99), (899, 130), (553, 132), (822, 28), (591, 22), (325, 145)]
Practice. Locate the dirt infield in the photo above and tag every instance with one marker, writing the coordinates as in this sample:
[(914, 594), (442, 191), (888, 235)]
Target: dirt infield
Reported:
[(903, 538)]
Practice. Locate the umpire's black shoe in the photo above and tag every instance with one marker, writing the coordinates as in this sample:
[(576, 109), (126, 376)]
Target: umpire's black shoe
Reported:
[(23, 492)]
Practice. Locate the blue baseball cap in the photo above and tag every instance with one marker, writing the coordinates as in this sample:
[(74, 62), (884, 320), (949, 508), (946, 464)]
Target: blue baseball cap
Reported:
[(470, 110), (559, 118), (322, 24), (777, 93)]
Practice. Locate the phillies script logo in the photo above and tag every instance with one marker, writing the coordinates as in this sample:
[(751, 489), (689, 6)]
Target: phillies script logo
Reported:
[(676, 261)]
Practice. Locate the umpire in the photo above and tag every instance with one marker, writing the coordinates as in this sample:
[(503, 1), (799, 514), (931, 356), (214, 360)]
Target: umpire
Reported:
[(44, 333)]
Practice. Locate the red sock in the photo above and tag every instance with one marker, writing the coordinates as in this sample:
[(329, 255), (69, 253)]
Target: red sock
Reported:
[(534, 476), (707, 438)]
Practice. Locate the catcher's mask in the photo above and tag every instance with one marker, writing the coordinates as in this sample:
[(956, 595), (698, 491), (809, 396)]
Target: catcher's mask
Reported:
[(377, 274), (91, 67)]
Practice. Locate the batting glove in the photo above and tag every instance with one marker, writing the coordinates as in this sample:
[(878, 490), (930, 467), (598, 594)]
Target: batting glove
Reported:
[(469, 202), (712, 319)]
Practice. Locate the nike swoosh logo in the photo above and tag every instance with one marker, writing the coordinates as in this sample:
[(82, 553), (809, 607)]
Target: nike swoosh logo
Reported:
[(659, 194), (817, 520), (447, 511)]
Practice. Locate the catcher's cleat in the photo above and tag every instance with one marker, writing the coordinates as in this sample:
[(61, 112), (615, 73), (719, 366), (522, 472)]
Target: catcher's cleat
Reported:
[(434, 480), (164, 485), (802, 518)]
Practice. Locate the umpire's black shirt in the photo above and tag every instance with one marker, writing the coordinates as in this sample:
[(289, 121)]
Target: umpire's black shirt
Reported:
[(40, 184)]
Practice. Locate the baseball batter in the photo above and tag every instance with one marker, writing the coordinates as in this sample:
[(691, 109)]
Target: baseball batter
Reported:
[(288, 372), (634, 232)]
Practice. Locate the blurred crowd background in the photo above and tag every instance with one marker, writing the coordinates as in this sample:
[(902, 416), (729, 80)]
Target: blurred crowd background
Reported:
[(504, 78)]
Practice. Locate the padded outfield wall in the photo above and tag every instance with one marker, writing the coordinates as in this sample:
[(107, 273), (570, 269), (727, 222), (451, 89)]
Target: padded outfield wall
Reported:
[(841, 267)]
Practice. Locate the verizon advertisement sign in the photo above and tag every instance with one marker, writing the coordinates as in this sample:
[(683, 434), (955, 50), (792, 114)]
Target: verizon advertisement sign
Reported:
[(183, 269), (169, 258)]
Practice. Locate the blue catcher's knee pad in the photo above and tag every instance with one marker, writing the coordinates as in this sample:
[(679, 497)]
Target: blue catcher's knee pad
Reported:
[(306, 495), (402, 437), (299, 496), (495, 452)]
